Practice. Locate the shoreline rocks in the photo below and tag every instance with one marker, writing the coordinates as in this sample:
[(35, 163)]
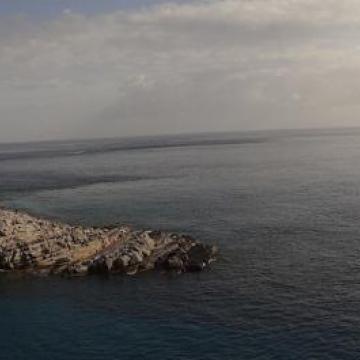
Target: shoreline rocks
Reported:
[(39, 246)]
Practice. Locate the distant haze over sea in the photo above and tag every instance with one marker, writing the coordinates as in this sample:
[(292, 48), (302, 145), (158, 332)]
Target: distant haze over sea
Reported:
[(86, 68)]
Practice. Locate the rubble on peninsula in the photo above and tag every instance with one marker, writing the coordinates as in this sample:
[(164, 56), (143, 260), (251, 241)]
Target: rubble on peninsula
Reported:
[(42, 246)]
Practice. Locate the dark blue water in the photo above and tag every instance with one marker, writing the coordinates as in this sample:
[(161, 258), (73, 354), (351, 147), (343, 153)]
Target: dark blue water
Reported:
[(284, 208)]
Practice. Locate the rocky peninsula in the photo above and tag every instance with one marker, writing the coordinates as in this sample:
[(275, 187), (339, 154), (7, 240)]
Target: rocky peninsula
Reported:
[(38, 246)]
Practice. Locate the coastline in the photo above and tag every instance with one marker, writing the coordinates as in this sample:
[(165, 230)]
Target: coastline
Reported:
[(38, 246)]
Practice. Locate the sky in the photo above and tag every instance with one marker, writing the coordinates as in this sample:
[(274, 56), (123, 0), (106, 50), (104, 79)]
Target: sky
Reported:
[(89, 68)]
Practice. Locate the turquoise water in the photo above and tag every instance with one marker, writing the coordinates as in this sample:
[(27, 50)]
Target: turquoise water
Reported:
[(284, 208)]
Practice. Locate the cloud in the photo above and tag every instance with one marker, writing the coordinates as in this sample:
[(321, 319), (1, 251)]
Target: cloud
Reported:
[(201, 66), (67, 11)]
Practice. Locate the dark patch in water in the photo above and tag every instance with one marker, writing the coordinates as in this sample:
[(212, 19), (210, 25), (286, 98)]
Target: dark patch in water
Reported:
[(50, 150)]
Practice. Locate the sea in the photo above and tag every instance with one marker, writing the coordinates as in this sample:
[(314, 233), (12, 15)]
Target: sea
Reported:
[(282, 206)]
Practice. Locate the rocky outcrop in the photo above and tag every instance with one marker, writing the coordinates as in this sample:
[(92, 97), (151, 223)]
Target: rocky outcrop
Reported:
[(40, 246)]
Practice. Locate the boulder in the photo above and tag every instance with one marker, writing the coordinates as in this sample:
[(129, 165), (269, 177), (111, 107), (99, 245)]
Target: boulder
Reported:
[(199, 256)]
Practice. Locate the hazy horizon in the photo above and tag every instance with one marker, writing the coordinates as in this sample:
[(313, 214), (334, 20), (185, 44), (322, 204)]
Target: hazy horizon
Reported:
[(84, 69), (313, 130)]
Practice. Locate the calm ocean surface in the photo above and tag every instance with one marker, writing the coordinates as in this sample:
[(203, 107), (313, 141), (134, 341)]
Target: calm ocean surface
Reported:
[(284, 208)]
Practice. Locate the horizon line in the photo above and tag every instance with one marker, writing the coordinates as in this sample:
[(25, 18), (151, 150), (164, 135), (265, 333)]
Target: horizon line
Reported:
[(175, 134)]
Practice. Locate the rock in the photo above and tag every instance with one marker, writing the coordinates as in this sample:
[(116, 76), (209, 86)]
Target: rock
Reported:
[(41, 246), (100, 266), (199, 256), (174, 262)]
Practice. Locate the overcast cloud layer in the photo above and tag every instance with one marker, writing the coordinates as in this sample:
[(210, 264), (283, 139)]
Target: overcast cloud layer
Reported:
[(202, 66)]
